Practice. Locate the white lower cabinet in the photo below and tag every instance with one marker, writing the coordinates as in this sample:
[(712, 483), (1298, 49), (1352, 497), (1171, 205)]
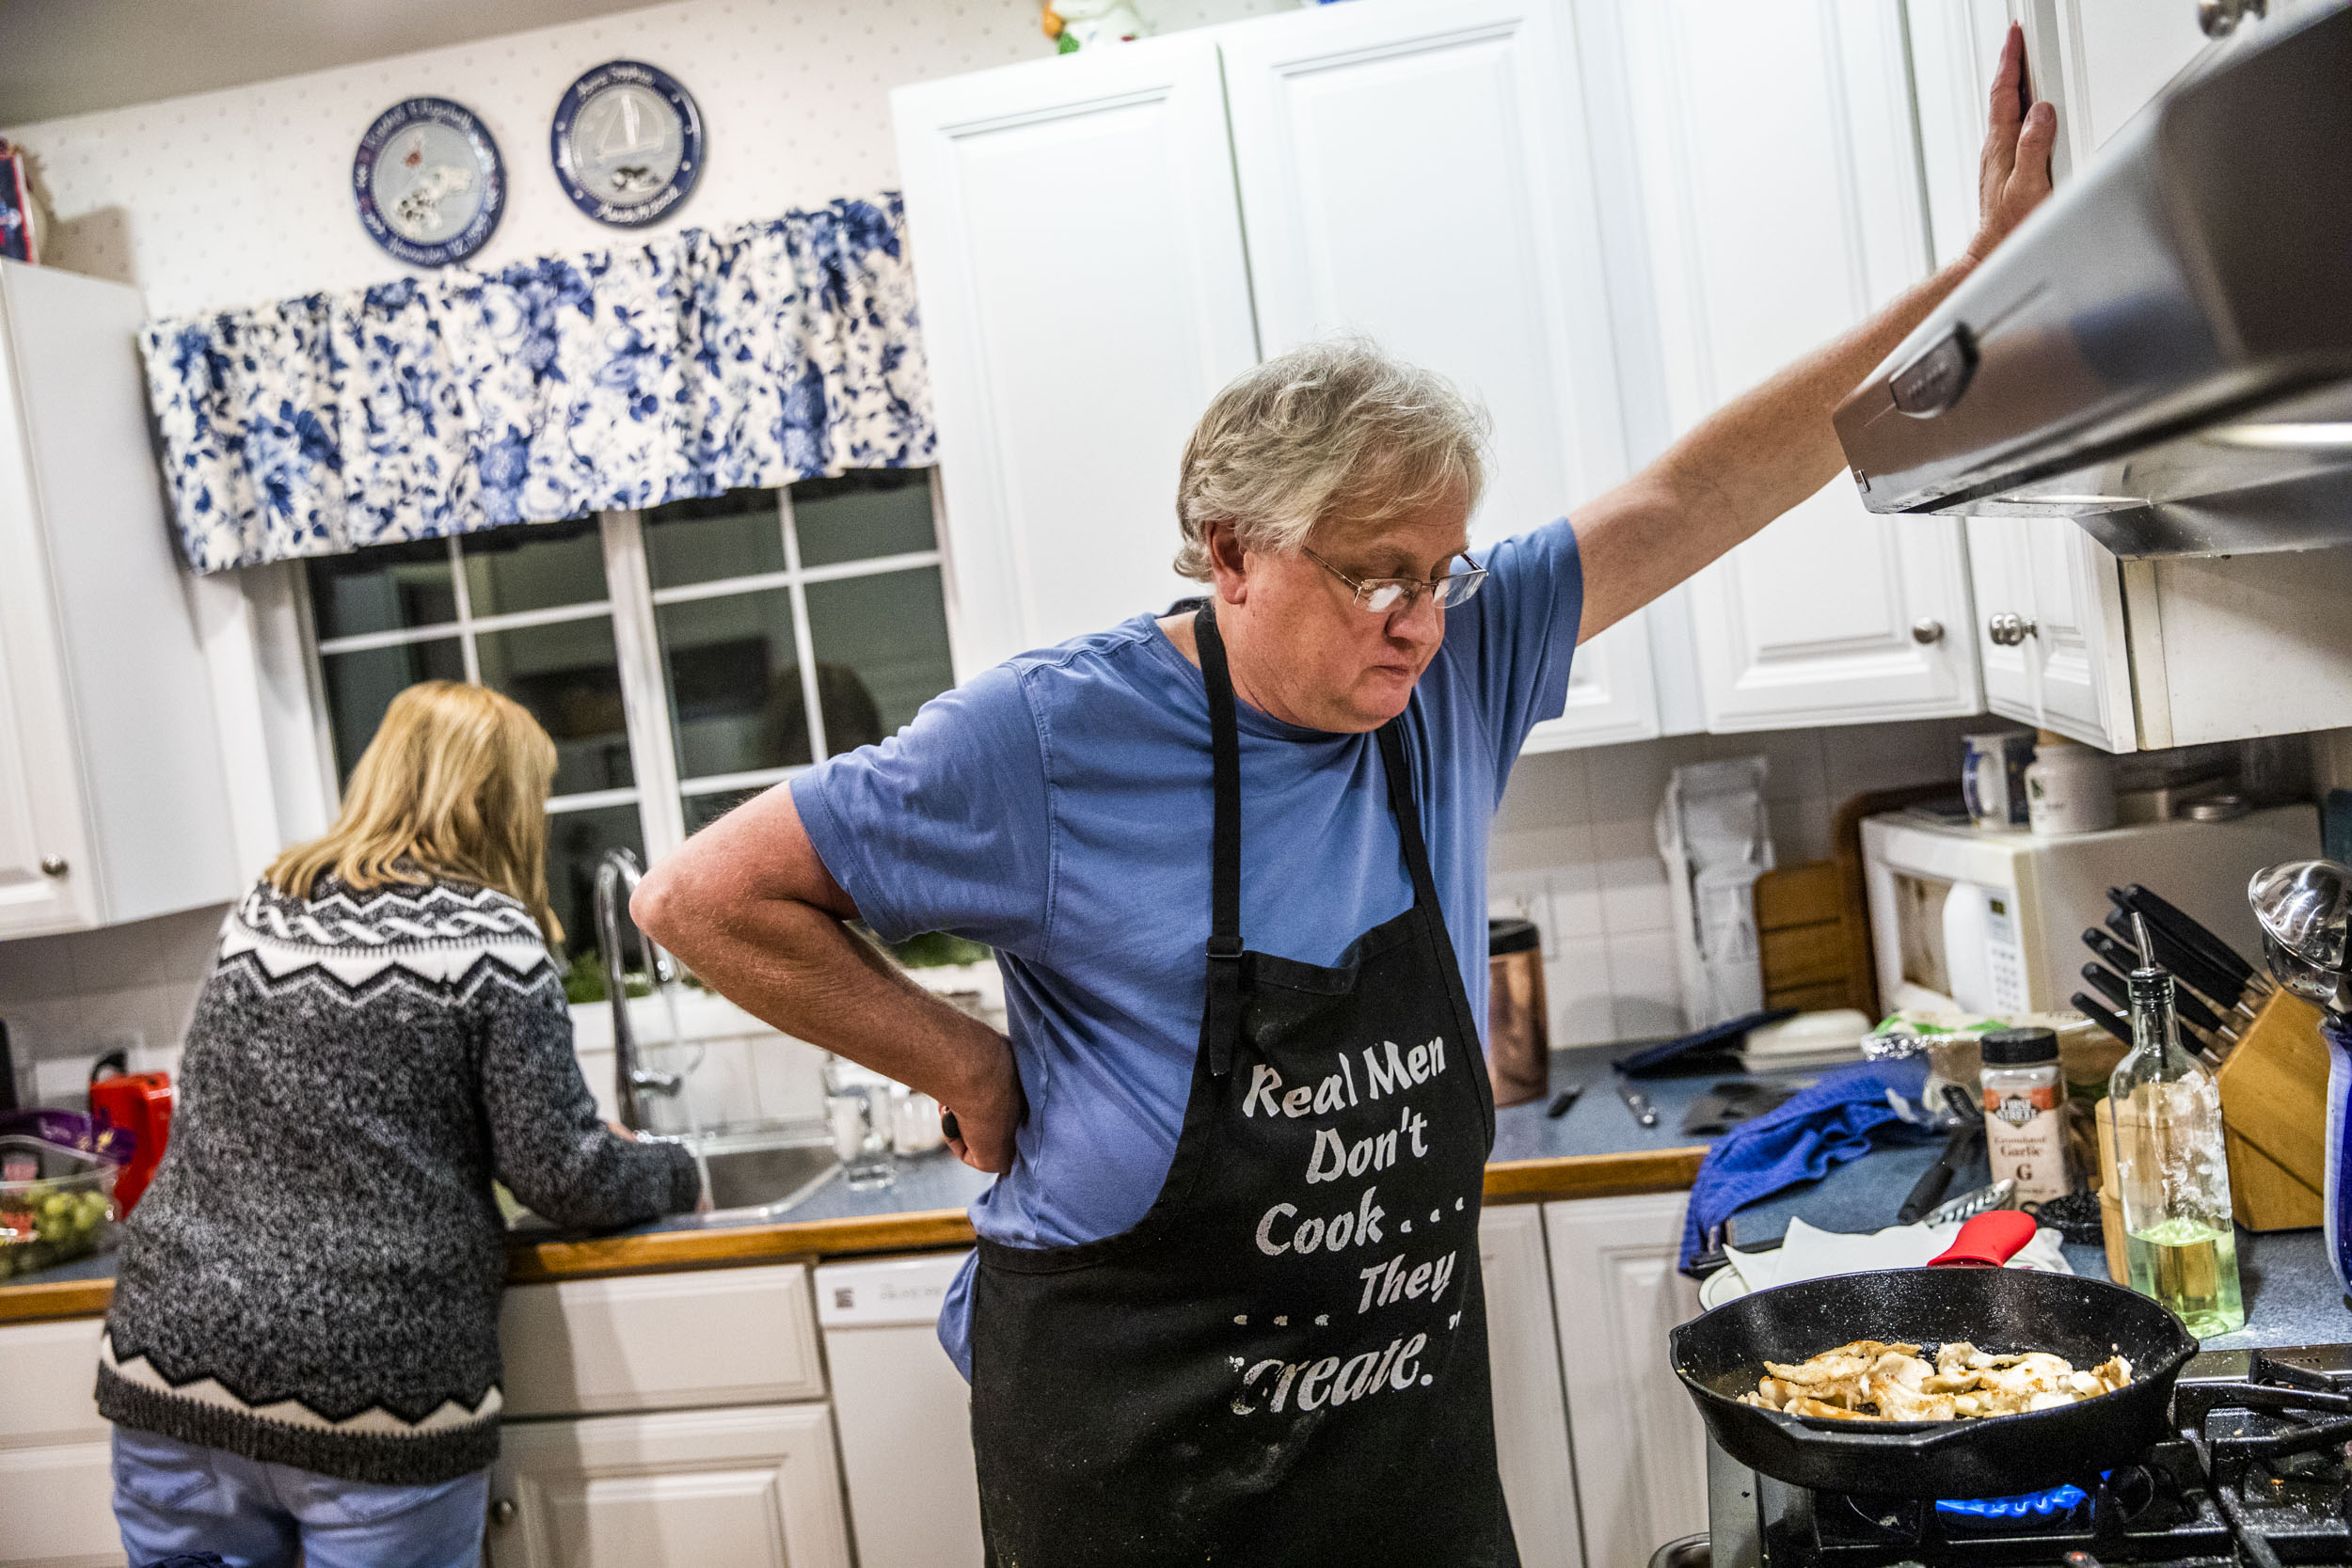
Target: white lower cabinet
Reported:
[(57, 1486), (744, 1488), (1531, 1408), (1640, 1466)]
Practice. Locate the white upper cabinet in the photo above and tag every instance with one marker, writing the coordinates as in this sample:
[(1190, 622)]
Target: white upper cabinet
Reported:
[(1780, 205), (1418, 172), (2051, 629), (112, 802), (1078, 253)]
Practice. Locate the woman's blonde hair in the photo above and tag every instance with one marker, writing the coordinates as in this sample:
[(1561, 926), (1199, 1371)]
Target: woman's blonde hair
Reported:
[(456, 781)]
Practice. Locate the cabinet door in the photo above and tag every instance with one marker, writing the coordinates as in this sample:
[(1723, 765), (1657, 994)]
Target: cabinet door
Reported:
[(56, 1480), (2112, 57), (2070, 672), (42, 814), (1640, 1460), (751, 1488), (1418, 172), (1780, 205), (1530, 1412), (1084, 294)]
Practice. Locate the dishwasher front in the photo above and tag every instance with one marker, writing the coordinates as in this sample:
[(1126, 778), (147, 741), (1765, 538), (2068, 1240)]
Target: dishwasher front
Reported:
[(903, 1412)]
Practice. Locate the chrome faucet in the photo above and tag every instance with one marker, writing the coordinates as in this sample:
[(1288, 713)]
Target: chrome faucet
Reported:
[(617, 877)]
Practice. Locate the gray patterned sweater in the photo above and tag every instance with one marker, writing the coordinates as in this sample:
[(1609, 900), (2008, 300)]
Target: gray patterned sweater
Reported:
[(313, 1277)]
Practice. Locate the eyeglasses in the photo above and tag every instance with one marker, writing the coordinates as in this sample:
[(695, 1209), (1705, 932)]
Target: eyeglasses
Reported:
[(1388, 595)]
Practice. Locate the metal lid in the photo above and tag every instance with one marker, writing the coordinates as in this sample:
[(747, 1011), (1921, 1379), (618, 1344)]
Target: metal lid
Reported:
[(2019, 1047), (1511, 936)]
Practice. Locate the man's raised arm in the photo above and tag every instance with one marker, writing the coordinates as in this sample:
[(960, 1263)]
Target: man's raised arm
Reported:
[(1768, 449)]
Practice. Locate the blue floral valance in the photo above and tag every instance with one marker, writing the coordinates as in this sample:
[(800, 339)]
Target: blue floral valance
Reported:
[(699, 362)]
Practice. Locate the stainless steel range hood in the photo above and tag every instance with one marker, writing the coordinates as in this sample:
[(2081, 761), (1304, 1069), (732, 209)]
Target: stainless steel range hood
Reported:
[(2164, 351)]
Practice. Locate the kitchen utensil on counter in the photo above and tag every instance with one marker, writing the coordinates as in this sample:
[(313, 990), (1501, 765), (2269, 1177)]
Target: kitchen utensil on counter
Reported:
[(1711, 1049), (1996, 1195), (2171, 1167), (2213, 1039), (1563, 1102), (1720, 1356), (1960, 1151), (2304, 909), (138, 1104), (1637, 1102), (2274, 1117), (2198, 937), (1732, 1101), (2104, 1016), (2186, 964), (2123, 957), (1519, 1043)]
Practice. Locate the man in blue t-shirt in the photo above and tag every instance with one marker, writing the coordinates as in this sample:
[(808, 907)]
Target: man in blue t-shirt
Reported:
[(1232, 858)]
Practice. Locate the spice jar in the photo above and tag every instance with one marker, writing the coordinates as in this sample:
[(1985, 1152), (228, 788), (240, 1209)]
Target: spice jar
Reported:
[(2024, 1122)]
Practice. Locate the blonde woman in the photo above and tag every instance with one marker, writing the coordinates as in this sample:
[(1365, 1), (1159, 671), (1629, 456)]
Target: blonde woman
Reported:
[(302, 1358)]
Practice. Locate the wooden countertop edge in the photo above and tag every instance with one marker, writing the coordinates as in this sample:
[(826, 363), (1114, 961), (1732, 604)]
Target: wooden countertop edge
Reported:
[(1664, 1170)]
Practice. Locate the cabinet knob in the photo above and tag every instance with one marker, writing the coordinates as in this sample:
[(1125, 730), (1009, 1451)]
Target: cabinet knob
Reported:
[(1927, 631), (2008, 629), (502, 1512), (53, 865)]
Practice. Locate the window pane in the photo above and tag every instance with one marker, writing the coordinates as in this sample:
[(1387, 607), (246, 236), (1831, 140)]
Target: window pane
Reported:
[(734, 671), (881, 652), (383, 588), (576, 840), (703, 810), (534, 566), (361, 686), (734, 536), (570, 678), (870, 513)]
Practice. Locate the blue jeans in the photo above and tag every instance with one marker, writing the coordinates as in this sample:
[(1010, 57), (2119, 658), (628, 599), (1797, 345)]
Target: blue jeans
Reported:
[(173, 1496)]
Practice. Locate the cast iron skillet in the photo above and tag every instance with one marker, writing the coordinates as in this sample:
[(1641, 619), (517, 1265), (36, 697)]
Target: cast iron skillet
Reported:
[(1721, 1356)]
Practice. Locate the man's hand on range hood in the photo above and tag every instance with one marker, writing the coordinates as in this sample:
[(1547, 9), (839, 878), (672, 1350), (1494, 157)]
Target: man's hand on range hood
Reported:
[(2014, 175)]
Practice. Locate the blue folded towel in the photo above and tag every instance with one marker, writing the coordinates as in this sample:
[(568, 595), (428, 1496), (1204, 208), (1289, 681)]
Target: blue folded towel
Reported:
[(1834, 1121)]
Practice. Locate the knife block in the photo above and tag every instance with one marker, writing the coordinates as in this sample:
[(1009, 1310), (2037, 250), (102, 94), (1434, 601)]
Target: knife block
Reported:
[(2274, 1117)]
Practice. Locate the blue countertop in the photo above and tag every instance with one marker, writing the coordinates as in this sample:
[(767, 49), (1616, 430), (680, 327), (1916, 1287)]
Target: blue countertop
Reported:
[(2291, 1295)]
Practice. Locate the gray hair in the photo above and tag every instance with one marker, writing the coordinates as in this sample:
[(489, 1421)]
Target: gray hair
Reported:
[(1332, 431)]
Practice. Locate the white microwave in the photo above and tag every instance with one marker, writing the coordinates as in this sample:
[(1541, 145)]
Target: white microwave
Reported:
[(1992, 922)]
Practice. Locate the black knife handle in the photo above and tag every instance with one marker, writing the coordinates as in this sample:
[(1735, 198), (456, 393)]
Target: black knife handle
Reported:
[(2112, 1023), (1925, 1193), (2173, 954), (2211, 949), (2190, 1009)]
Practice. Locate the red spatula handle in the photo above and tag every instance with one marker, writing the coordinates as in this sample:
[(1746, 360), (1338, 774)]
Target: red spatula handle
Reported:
[(1994, 1238)]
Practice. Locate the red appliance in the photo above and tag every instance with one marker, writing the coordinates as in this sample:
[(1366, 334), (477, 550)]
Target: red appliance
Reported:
[(140, 1104)]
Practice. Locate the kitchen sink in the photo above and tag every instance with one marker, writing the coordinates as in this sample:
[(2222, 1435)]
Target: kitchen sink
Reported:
[(759, 1181)]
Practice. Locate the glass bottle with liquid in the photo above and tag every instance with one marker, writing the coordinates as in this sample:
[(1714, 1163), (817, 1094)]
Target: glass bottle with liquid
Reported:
[(2172, 1168)]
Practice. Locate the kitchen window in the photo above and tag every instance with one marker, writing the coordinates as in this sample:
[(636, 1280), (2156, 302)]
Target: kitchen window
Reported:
[(684, 658)]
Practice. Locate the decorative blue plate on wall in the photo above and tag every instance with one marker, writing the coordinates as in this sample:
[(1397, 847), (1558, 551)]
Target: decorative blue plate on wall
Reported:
[(627, 142), (429, 181)]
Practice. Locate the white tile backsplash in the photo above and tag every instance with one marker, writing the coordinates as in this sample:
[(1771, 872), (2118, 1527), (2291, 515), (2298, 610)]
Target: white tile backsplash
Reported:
[(1574, 850)]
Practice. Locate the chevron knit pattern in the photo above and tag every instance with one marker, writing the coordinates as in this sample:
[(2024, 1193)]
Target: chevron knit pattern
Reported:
[(312, 1278)]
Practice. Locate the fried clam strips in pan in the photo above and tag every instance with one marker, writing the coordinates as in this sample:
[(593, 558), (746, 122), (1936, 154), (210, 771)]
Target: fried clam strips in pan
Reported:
[(1870, 1381)]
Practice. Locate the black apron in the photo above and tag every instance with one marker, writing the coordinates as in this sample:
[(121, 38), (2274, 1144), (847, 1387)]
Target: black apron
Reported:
[(1284, 1361)]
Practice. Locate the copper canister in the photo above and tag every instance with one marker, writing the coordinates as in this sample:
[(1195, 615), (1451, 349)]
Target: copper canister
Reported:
[(1519, 1038)]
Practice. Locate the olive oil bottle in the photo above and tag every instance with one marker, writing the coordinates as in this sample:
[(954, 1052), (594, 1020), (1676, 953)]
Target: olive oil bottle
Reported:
[(2171, 1165)]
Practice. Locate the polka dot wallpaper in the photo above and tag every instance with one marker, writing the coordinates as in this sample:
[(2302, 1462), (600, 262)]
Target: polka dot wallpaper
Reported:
[(237, 197)]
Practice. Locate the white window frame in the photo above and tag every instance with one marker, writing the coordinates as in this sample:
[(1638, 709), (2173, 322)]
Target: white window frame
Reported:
[(630, 601)]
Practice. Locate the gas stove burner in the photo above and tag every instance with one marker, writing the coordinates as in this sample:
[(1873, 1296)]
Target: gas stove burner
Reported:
[(2055, 1505)]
